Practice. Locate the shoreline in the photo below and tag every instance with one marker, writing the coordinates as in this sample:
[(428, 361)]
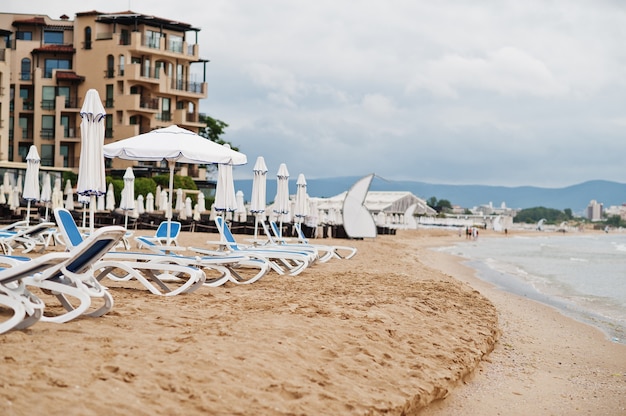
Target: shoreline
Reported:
[(545, 361)]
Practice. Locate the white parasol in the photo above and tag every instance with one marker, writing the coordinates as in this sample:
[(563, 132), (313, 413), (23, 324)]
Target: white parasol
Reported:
[(31, 184), (258, 198), (150, 203), (173, 144), (46, 192), (201, 202), (91, 176), (110, 198), (69, 196), (301, 207), (128, 194), (281, 202)]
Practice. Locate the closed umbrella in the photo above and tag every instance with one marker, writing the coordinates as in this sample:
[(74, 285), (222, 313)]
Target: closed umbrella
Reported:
[(91, 176), (163, 202), (141, 208), (225, 198), (14, 199), (258, 197), (57, 194), (188, 207), (180, 202), (46, 192), (128, 194), (31, 185), (173, 144), (240, 212), (149, 203), (6, 183), (157, 199), (110, 198), (69, 196), (301, 207), (281, 203), (101, 203), (201, 202), (3, 198)]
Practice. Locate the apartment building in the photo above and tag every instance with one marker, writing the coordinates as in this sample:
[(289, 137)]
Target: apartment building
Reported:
[(141, 66)]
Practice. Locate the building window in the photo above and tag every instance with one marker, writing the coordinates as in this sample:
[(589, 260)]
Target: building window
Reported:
[(22, 152), (124, 37), (146, 68), (47, 127), (24, 35), (88, 38), (175, 43), (65, 155), (48, 98), (153, 39), (108, 102), (25, 70), (52, 64), (53, 37), (24, 124), (122, 62), (110, 72), (108, 126), (47, 155)]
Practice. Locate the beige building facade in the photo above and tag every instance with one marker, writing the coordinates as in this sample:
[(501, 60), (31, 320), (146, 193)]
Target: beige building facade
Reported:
[(140, 65)]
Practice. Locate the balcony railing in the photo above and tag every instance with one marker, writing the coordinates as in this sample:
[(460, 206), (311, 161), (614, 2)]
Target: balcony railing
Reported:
[(108, 133), (25, 76), (27, 134), (47, 104), (188, 86), (108, 103), (149, 103), (109, 73), (164, 117), (71, 102), (47, 133), (28, 105)]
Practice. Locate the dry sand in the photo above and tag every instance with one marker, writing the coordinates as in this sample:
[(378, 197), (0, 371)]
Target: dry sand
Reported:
[(386, 332)]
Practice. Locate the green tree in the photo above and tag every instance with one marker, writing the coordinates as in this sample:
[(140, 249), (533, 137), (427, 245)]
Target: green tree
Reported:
[(533, 215)]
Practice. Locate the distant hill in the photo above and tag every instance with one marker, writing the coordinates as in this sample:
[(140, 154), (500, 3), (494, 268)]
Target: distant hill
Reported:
[(575, 197)]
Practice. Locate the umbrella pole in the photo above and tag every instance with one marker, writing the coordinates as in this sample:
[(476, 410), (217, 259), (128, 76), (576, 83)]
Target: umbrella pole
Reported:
[(92, 212), (126, 219), (46, 211), (27, 212), (171, 164), (256, 226)]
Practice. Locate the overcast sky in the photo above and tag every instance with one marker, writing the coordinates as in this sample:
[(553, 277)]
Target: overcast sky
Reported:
[(456, 92)]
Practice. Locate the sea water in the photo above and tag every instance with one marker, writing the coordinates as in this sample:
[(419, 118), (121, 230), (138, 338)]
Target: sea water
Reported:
[(583, 275)]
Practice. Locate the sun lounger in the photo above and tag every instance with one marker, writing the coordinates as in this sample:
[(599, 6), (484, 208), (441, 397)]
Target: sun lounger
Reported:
[(290, 262), (67, 276), (159, 277)]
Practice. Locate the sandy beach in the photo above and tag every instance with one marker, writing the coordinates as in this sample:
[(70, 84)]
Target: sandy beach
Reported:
[(398, 329)]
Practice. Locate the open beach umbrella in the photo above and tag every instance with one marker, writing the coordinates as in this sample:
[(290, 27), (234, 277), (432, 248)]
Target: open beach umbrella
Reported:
[(258, 197), (46, 192), (301, 207), (281, 202), (128, 194), (69, 196), (110, 198), (31, 185), (173, 144), (91, 176)]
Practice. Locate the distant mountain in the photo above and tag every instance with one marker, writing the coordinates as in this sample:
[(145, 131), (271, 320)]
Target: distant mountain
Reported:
[(575, 197)]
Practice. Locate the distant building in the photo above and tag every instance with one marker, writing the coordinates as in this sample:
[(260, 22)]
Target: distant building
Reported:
[(619, 210), (139, 64), (594, 211)]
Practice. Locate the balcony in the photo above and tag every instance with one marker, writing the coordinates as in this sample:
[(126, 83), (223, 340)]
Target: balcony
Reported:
[(47, 134), (48, 104), (149, 103)]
